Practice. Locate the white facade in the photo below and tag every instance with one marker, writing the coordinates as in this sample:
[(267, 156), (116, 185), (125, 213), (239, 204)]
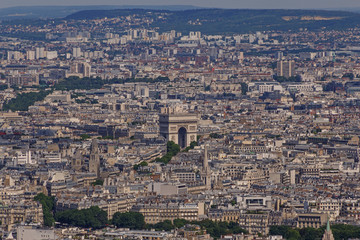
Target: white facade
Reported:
[(30, 233)]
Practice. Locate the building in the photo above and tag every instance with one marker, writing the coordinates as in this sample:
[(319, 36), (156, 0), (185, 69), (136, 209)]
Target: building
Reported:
[(30, 55), (255, 202), (224, 214), (27, 212), (94, 162), (39, 53), (180, 128), (34, 233), (82, 69), (51, 55), (255, 222), (350, 209), (110, 205), (13, 55), (167, 188), (206, 172), (77, 52), (286, 69), (314, 220), (26, 158), (328, 233), (138, 234), (154, 213)]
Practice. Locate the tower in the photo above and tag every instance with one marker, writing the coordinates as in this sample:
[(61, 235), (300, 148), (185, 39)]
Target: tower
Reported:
[(286, 69), (76, 162), (94, 162), (206, 172), (328, 235)]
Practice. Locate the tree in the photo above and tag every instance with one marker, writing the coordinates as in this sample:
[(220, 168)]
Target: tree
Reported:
[(311, 233), (142, 164), (215, 229), (172, 149), (23, 101), (132, 220), (48, 208), (84, 136), (93, 217), (192, 146), (165, 225), (216, 135), (178, 223), (98, 182), (342, 231)]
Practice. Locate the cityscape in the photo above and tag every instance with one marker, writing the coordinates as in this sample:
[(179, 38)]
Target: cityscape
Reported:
[(193, 124)]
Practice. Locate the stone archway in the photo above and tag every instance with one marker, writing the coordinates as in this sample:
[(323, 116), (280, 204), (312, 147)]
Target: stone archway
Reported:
[(182, 137)]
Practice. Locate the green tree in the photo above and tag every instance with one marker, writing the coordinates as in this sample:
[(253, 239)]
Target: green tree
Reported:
[(172, 149), (84, 136), (98, 182), (92, 217), (48, 206), (216, 135), (178, 223), (165, 225), (23, 101), (311, 233), (142, 164), (192, 146), (132, 220)]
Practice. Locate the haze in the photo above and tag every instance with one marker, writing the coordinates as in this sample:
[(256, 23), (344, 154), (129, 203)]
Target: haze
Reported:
[(287, 4)]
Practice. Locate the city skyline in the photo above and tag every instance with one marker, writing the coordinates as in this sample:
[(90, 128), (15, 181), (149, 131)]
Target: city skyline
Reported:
[(136, 122), (258, 4)]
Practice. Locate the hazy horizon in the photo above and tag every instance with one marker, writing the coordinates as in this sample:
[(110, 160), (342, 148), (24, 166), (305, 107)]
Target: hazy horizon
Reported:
[(252, 4)]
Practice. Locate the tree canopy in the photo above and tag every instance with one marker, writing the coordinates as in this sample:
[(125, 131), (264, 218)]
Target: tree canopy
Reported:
[(172, 149), (93, 217), (132, 220), (24, 100), (48, 208), (340, 231), (215, 229)]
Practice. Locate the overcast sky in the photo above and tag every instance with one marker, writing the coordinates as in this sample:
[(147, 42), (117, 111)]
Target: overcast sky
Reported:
[(203, 3)]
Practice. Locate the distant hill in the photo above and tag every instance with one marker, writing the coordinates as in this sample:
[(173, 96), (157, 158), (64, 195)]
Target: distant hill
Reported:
[(219, 21), (63, 11)]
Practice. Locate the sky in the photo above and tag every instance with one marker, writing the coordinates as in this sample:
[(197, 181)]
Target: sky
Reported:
[(287, 4)]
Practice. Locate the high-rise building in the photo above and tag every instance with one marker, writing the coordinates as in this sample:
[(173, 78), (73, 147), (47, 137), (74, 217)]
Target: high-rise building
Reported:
[(39, 52), (286, 69), (77, 52), (83, 68), (13, 55), (30, 55), (173, 33), (86, 70), (279, 55)]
